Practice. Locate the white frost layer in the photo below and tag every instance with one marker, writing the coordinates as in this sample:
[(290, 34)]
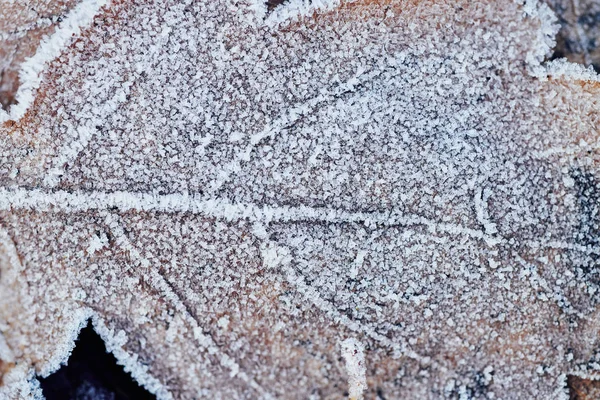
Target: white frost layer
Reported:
[(24, 383), (570, 71), (159, 282), (294, 9), (50, 48), (20, 384), (353, 352), (481, 210), (19, 198), (544, 45), (275, 256), (65, 346), (5, 352), (549, 27), (114, 342), (78, 201), (415, 104)]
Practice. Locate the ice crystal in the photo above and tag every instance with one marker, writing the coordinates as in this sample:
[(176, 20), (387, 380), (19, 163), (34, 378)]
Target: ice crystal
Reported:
[(230, 189), (353, 352)]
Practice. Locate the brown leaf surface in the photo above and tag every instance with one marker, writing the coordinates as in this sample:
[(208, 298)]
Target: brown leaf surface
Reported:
[(229, 194)]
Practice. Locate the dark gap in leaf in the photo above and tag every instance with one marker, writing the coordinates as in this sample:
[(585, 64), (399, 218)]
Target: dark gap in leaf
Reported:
[(8, 88), (92, 374), (578, 39), (272, 4)]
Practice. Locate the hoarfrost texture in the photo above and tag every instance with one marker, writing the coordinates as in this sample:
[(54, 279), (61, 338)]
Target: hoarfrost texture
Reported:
[(353, 352), (577, 39), (229, 191)]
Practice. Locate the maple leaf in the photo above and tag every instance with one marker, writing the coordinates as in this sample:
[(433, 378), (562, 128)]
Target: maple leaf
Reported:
[(274, 201)]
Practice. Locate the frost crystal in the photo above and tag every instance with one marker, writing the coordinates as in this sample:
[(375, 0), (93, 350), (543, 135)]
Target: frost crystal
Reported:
[(230, 190), (353, 352)]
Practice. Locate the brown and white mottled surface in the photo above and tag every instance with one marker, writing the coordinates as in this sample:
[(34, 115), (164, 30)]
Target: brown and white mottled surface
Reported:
[(22, 27), (232, 194)]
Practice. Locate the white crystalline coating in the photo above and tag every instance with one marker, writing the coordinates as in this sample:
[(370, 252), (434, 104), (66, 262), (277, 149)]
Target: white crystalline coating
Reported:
[(6, 354), (19, 384), (50, 48), (547, 32), (230, 192), (353, 352), (19, 198), (159, 283), (114, 344), (293, 9), (76, 320), (97, 242), (564, 69), (480, 200)]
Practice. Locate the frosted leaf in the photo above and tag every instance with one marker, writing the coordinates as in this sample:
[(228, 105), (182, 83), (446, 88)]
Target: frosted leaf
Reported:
[(230, 190), (32, 34)]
